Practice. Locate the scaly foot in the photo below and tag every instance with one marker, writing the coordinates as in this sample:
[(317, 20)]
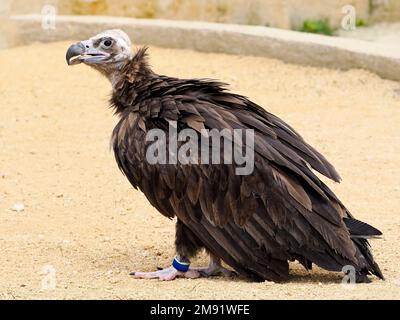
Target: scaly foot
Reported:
[(167, 274), (214, 269)]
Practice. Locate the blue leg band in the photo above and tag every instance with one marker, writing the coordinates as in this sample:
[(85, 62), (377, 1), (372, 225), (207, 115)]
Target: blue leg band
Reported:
[(180, 266)]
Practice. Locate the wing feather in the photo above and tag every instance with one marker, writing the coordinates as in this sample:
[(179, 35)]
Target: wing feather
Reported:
[(255, 223)]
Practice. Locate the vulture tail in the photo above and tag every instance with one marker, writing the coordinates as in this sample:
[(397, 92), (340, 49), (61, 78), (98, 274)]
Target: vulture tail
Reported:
[(371, 266), (359, 233), (359, 229)]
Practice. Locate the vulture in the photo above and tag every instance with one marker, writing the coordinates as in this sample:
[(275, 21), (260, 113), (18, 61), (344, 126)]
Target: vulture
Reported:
[(255, 221)]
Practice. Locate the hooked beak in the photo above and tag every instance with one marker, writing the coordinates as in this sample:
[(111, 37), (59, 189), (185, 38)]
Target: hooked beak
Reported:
[(79, 52), (74, 53)]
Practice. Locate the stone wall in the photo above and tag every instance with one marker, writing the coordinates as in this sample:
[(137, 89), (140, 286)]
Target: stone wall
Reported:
[(5, 29), (385, 10), (289, 46), (331, 10), (287, 14)]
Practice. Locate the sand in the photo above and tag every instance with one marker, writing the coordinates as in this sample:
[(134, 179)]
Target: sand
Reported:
[(83, 228)]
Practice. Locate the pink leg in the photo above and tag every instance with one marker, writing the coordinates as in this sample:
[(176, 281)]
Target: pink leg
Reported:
[(213, 269), (167, 274)]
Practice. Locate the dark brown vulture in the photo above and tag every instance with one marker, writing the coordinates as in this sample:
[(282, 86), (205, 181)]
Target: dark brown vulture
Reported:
[(254, 222)]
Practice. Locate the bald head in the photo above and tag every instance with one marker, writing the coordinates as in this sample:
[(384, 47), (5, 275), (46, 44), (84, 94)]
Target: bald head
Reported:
[(107, 48), (106, 52)]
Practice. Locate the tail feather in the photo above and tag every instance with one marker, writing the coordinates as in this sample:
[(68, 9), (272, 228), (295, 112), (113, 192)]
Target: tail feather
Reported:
[(371, 266), (359, 229)]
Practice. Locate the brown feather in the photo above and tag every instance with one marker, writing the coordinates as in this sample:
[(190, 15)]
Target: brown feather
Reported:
[(255, 223)]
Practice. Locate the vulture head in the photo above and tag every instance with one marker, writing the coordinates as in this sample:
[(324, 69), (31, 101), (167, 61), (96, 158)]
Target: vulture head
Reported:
[(107, 52)]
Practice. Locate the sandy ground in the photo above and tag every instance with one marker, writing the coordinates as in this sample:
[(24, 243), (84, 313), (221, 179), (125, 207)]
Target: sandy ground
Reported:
[(84, 226)]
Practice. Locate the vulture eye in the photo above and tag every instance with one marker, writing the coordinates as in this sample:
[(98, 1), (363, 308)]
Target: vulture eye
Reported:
[(107, 43)]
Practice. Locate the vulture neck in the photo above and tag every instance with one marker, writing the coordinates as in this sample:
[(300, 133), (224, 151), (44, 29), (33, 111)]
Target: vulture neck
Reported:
[(129, 79)]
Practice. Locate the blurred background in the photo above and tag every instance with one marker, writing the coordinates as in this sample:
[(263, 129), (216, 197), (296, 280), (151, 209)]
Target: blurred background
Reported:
[(376, 20), (287, 14)]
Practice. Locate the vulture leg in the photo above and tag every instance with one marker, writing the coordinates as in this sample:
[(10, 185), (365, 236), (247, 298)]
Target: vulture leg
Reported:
[(214, 268), (166, 274), (187, 245)]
